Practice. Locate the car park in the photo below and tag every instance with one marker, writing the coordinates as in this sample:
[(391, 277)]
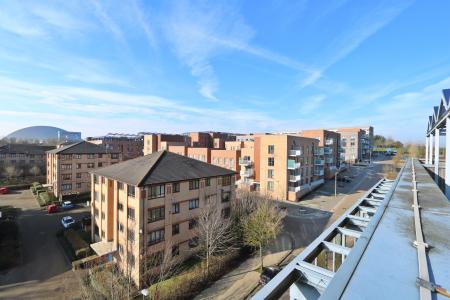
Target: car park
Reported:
[(268, 273), (52, 208), (67, 205), (67, 221)]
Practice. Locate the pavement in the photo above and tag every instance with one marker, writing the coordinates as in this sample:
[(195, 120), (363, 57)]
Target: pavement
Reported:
[(45, 272), (305, 220)]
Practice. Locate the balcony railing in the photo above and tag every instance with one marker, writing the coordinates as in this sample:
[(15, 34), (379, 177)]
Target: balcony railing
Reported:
[(329, 160), (245, 162), (318, 172), (292, 165), (294, 178), (319, 162), (295, 152), (329, 142), (246, 173), (327, 150), (294, 189), (318, 151)]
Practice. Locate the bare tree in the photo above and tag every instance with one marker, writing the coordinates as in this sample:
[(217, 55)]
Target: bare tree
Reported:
[(159, 267), (214, 232), (35, 171), (262, 225), (12, 171)]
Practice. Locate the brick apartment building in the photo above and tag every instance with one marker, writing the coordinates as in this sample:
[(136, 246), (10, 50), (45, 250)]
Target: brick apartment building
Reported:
[(131, 146), (356, 143), (158, 142), (148, 205), (24, 157), (328, 151), (68, 166)]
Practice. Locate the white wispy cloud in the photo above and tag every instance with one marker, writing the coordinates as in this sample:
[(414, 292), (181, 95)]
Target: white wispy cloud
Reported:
[(110, 25), (366, 26), (310, 104), (144, 22)]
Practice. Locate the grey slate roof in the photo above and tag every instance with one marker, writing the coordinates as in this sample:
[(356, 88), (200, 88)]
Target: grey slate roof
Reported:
[(159, 167), (82, 147), (25, 149)]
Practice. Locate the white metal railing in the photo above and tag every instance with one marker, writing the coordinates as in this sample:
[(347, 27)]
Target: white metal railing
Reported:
[(292, 165), (329, 142), (295, 152), (246, 172), (294, 178), (245, 162), (294, 189)]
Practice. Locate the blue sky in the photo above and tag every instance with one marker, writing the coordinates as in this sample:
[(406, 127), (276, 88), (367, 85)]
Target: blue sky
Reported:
[(241, 66)]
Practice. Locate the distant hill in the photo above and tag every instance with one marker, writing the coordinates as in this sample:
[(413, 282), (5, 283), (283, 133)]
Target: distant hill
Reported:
[(43, 134)]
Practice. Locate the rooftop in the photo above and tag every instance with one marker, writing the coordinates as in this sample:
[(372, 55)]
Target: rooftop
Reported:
[(25, 149), (383, 262), (82, 147), (160, 167)]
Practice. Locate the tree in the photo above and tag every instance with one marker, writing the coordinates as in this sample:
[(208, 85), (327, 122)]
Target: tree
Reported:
[(35, 171), (262, 225), (12, 171), (214, 232)]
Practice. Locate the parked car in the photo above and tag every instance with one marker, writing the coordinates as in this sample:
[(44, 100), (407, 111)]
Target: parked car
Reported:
[(4, 190), (268, 273), (343, 179), (67, 205), (67, 221), (52, 208)]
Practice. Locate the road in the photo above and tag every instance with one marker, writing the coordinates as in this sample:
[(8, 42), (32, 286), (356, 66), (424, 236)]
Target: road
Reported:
[(45, 272)]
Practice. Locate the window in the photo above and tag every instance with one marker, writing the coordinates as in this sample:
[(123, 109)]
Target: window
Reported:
[(130, 258), (225, 196), (96, 212), (156, 237), (120, 248), (78, 175), (65, 187), (270, 161), (66, 167), (130, 235), (103, 215), (175, 187), (120, 185), (67, 176), (175, 250), (77, 156), (270, 173), (192, 223), (91, 165), (193, 242), (226, 180), (208, 181), (103, 234), (100, 164), (91, 156), (157, 191), (78, 166), (226, 212), (194, 184), (271, 149), (155, 214), (270, 185), (100, 155), (78, 185), (193, 204), (120, 206), (120, 226), (175, 208), (114, 155), (103, 197), (130, 213), (175, 229), (131, 190), (96, 196)]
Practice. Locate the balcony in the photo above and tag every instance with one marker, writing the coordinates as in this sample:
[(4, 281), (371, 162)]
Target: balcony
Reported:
[(329, 142), (327, 150), (329, 160), (318, 172), (245, 162), (294, 189), (292, 165), (246, 173), (294, 178), (295, 152), (318, 151), (319, 162)]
